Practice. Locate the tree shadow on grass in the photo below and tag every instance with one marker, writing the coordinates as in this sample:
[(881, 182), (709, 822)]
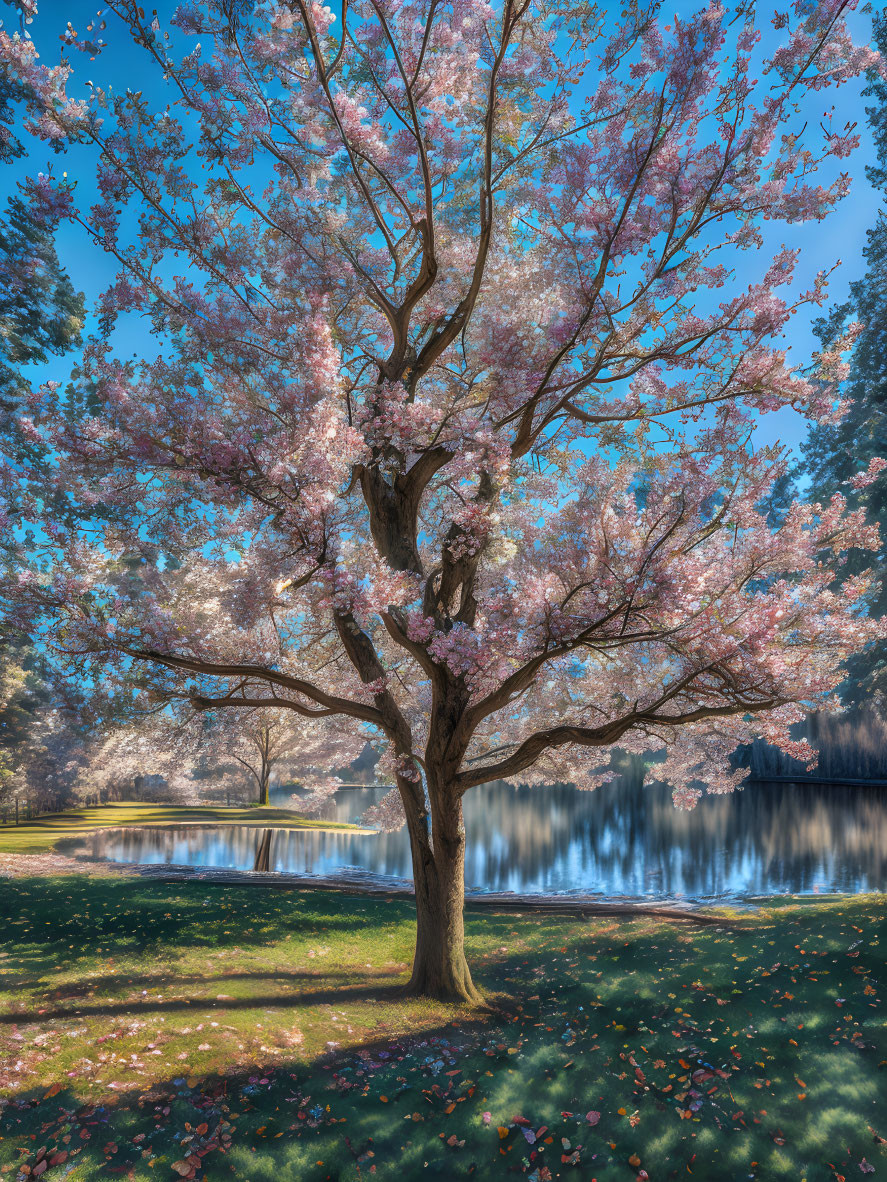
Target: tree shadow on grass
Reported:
[(130, 981), (336, 992), (89, 916)]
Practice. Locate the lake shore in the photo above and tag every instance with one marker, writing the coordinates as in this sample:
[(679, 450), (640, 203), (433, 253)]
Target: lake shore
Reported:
[(41, 834), (49, 864)]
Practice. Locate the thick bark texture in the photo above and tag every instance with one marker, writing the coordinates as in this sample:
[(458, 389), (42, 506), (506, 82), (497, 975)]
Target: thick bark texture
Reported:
[(440, 969)]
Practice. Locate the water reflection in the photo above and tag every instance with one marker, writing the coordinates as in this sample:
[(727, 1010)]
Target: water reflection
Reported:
[(622, 839)]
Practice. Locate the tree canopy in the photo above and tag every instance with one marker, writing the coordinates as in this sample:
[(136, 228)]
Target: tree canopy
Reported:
[(446, 432)]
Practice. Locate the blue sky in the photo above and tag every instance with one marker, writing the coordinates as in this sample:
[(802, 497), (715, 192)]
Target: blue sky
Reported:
[(124, 65)]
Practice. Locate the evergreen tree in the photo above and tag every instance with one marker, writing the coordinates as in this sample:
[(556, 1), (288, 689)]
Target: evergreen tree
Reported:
[(41, 313), (836, 455)]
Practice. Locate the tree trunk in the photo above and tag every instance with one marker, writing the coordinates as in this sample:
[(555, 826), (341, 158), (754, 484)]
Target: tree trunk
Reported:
[(440, 969), (263, 789)]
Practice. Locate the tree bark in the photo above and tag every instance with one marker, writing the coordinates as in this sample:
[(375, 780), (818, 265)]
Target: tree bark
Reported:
[(263, 789), (440, 969)]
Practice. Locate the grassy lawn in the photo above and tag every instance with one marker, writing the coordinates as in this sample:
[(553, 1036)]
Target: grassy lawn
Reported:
[(33, 837), (208, 1032)]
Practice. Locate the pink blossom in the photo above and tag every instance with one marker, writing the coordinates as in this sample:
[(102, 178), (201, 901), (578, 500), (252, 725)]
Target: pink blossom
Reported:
[(864, 479)]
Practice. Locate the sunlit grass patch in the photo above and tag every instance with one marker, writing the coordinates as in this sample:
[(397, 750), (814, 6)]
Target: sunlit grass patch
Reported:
[(45, 832)]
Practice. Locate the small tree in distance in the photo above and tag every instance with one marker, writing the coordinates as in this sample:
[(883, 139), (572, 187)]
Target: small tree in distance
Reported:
[(195, 750), (270, 743), (448, 433), (264, 745)]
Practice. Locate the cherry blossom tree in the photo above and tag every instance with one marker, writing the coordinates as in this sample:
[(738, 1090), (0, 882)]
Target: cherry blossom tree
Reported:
[(447, 433), (269, 743), (191, 749), (124, 752), (263, 741)]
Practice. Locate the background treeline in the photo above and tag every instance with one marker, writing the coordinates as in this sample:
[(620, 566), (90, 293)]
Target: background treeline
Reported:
[(854, 745), (852, 748)]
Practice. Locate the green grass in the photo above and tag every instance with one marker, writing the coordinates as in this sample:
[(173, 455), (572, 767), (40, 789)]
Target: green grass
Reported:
[(161, 1031), (32, 837)]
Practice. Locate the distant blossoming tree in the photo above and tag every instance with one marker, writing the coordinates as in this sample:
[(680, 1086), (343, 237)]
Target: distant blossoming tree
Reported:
[(192, 751), (43, 739), (261, 744), (447, 433), (269, 743), (120, 758)]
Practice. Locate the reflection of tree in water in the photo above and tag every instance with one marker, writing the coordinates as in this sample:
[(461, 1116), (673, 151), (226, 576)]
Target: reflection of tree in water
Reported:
[(621, 839), (263, 851)]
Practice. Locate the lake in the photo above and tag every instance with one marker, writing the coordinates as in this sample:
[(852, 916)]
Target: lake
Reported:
[(621, 840)]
